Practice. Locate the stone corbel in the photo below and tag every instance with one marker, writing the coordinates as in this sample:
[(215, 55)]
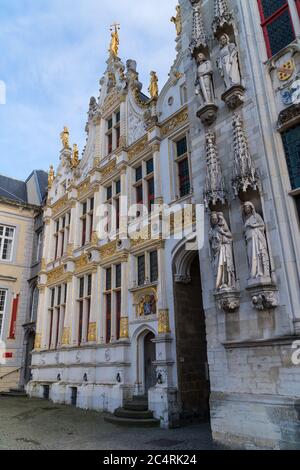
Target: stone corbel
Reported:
[(234, 97), (264, 297), (208, 114), (228, 300)]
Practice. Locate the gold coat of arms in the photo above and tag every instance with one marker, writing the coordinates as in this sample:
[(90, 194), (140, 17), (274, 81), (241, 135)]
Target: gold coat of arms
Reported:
[(286, 70)]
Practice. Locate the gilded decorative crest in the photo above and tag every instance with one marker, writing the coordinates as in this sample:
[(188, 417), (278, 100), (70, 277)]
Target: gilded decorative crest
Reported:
[(285, 71), (56, 275), (108, 169), (92, 336), (81, 263), (175, 122), (66, 337), (138, 148), (38, 342), (108, 250), (60, 205), (163, 322), (124, 328)]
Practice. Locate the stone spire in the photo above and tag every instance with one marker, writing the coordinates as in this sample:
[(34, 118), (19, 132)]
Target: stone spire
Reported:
[(245, 174), (199, 37), (214, 186), (222, 17)]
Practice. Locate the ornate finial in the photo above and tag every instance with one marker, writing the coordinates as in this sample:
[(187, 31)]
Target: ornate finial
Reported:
[(51, 177), (115, 41), (223, 17), (75, 157), (153, 88), (199, 37), (177, 21), (214, 187), (65, 138), (245, 174)]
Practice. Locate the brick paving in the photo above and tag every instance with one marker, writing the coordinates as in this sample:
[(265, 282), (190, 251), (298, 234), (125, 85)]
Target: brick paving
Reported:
[(31, 424)]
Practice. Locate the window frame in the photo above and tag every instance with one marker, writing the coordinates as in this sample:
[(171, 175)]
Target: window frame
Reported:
[(178, 160), (12, 239), (113, 292), (265, 22), (3, 312)]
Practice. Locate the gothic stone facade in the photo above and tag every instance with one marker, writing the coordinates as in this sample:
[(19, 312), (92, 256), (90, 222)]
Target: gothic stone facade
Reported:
[(208, 333)]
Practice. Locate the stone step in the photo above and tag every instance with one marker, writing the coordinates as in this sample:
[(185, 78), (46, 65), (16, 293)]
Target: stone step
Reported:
[(131, 422), (13, 394), (136, 406), (143, 398), (131, 414)]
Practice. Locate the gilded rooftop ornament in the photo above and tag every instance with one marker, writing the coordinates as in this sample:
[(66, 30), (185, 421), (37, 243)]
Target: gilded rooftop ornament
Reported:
[(115, 41), (75, 156), (153, 88), (177, 20), (65, 138), (51, 177)]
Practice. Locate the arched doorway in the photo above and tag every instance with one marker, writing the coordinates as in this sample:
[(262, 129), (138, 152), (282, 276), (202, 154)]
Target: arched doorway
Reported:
[(146, 356), (191, 343), (149, 358)]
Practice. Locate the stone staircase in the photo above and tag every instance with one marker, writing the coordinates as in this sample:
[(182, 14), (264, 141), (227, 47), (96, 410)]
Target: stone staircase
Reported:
[(134, 413), (14, 392)]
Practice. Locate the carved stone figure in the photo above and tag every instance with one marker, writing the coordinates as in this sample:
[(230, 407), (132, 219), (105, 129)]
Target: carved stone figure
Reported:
[(228, 62), (177, 20), (221, 240), (75, 157), (257, 246), (204, 82), (153, 88)]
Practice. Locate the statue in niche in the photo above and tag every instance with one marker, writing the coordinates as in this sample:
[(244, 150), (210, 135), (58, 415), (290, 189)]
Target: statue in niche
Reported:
[(204, 82), (257, 246), (228, 62), (221, 239)]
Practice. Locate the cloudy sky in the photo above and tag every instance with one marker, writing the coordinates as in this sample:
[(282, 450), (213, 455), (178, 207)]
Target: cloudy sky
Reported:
[(53, 54)]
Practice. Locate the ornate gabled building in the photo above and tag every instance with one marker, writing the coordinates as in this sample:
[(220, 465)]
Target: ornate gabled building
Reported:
[(201, 330)]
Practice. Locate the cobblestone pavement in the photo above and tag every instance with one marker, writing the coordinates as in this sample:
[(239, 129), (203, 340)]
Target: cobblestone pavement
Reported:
[(31, 424)]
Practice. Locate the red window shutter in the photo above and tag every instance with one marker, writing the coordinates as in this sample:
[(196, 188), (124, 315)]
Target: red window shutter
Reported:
[(12, 330)]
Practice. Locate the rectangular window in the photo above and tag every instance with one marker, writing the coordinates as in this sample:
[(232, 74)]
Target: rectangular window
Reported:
[(153, 266), (184, 177), (108, 318), (277, 24), (138, 173), (109, 143), (84, 307), (118, 313), (118, 275), (108, 279), (87, 221), (6, 242), (181, 147), (291, 143), (139, 194), (141, 270), (150, 166), (58, 298), (3, 293), (151, 193), (118, 187), (108, 193)]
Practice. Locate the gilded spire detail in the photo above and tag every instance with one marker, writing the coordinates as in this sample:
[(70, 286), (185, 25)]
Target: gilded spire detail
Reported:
[(115, 40), (75, 156), (51, 177), (65, 138), (153, 88), (177, 20)]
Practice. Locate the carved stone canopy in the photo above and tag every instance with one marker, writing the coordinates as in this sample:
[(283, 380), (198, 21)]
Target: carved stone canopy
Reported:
[(223, 18), (215, 186), (199, 42)]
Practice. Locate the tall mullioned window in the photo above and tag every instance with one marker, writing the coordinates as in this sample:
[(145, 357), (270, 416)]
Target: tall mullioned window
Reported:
[(87, 220), (56, 315), (182, 160), (291, 143), (84, 307), (3, 294), (112, 298), (6, 242), (61, 235), (277, 24)]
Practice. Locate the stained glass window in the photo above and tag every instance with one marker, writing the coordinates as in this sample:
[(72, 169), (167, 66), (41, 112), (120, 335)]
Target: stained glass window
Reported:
[(291, 142), (277, 24)]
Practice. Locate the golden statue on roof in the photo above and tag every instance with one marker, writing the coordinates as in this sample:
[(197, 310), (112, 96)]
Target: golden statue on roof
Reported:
[(75, 156), (51, 177), (115, 41), (65, 138), (153, 88), (177, 20)]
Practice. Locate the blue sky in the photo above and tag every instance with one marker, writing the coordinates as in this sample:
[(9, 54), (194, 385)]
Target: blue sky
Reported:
[(53, 54)]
